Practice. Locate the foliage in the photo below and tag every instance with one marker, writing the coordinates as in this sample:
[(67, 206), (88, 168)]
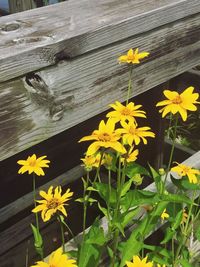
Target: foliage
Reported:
[(124, 205)]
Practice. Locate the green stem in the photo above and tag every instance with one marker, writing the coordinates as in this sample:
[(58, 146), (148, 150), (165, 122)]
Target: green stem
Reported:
[(109, 194), (172, 152), (62, 233), (34, 198), (129, 84), (186, 230)]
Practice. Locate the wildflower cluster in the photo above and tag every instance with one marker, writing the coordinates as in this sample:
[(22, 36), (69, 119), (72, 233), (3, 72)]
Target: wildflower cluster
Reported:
[(115, 145)]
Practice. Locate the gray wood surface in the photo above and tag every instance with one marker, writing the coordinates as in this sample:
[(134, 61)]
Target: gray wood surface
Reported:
[(35, 39), (20, 5), (80, 88)]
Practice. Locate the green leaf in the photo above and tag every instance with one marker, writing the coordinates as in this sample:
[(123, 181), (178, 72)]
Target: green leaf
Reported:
[(184, 184), (169, 233), (103, 210), (126, 187), (103, 190), (157, 179), (178, 219), (159, 250), (110, 252), (128, 216), (142, 230), (197, 232), (133, 168), (38, 241), (91, 200), (139, 197), (81, 200), (90, 250), (185, 263), (90, 188), (176, 198)]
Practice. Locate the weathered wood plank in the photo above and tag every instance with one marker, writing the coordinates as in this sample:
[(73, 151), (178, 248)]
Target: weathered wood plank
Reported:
[(20, 5), (83, 87), (38, 38)]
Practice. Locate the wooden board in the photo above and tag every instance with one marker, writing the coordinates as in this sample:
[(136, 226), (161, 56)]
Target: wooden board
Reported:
[(80, 88), (38, 38)]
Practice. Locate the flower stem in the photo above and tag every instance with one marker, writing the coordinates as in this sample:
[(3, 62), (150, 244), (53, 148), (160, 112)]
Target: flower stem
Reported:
[(129, 84), (34, 198), (62, 233), (172, 150)]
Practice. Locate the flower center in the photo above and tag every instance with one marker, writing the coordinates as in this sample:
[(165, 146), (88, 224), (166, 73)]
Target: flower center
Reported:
[(126, 111), (177, 100), (131, 57), (53, 203), (186, 170), (32, 163), (132, 130), (105, 137)]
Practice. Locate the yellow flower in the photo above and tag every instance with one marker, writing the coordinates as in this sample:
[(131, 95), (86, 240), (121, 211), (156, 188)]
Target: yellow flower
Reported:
[(57, 259), (137, 262), (164, 215), (133, 56), (33, 164), (108, 161), (133, 134), (184, 170), (92, 161), (185, 216), (179, 103), (52, 202), (128, 112), (105, 137), (131, 155)]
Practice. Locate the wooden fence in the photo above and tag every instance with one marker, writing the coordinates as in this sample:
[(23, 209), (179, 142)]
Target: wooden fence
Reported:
[(58, 70)]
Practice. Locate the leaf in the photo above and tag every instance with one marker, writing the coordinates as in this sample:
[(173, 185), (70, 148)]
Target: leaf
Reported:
[(143, 229), (139, 197), (159, 250), (103, 210), (128, 216), (185, 263), (197, 232), (38, 241), (184, 184), (91, 248), (126, 187), (133, 168), (176, 198), (90, 188), (169, 233), (110, 252), (178, 219), (103, 190), (81, 200), (157, 179)]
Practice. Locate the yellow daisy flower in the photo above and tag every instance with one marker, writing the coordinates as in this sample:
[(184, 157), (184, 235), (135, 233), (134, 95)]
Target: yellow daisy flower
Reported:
[(133, 56), (133, 134), (128, 112), (131, 155), (106, 137), (184, 170), (137, 262), (164, 215), (33, 164), (52, 202), (179, 103), (92, 161), (57, 259)]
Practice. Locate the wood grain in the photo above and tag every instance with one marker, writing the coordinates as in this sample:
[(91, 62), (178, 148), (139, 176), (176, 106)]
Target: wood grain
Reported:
[(84, 86), (38, 38)]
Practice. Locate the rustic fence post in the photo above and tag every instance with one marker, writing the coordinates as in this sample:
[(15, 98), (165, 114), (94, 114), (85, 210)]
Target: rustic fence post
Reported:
[(20, 5)]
